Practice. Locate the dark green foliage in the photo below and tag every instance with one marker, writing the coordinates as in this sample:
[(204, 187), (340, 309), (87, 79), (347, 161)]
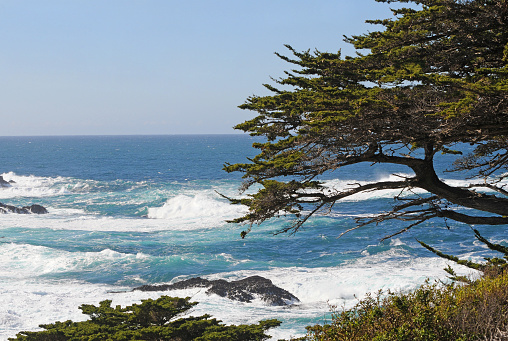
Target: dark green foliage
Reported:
[(152, 320), (434, 76)]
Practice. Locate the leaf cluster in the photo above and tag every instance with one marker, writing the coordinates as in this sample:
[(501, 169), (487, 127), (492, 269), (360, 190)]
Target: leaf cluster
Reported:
[(152, 320)]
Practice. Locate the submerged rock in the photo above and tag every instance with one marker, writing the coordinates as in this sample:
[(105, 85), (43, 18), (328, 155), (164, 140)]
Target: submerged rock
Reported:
[(4, 183), (37, 209), (244, 290)]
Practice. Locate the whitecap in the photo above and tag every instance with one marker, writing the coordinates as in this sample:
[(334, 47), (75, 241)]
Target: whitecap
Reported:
[(200, 208), (32, 186), (30, 301), (25, 261)]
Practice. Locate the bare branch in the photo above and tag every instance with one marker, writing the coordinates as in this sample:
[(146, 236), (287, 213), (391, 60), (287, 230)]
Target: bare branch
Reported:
[(403, 230), (490, 186), (414, 202), (298, 224), (371, 187)]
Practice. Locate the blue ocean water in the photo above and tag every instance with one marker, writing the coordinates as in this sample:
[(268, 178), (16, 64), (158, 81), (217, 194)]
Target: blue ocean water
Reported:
[(131, 210)]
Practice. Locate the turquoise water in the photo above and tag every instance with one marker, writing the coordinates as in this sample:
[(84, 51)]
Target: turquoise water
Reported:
[(131, 210)]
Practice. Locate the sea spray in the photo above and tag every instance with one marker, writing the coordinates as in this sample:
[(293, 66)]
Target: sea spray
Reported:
[(152, 216)]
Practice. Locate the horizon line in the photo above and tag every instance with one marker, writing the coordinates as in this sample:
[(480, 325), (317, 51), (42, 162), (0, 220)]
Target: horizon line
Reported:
[(126, 135)]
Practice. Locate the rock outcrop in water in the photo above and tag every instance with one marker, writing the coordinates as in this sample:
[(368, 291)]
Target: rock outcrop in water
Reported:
[(244, 290), (37, 209), (4, 183)]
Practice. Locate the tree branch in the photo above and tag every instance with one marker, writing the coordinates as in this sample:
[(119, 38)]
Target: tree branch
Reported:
[(473, 220), (490, 186)]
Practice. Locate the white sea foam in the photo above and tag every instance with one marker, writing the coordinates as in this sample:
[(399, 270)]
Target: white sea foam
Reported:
[(40, 187), (24, 261), (318, 288), (32, 186), (91, 222), (26, 305), (193, 208), (78, 219), (341, 284), (187, 208), (337, 185), (29, 300)]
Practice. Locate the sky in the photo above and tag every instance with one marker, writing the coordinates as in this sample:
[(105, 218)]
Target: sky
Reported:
[(142, 67)]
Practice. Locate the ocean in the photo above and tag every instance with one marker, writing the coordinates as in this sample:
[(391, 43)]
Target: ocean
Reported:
[(126, 211)]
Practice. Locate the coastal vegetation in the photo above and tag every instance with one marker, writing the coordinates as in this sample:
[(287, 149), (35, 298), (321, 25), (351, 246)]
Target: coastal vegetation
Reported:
[(153, 320), (462, 309), (433, 79), (432, 312)]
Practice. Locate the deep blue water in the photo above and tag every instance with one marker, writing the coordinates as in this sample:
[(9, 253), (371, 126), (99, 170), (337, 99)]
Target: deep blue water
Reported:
[(133, 210)]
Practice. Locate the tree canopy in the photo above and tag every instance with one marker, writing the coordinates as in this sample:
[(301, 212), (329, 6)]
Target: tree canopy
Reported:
[(152, 320), (433, 77)]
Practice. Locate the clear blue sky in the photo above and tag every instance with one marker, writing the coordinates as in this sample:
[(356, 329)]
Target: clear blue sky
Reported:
[(86, 67)]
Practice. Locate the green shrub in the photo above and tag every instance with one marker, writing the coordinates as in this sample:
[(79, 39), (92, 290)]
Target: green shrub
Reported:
[(152, 320), (431, 312), (461, 311)]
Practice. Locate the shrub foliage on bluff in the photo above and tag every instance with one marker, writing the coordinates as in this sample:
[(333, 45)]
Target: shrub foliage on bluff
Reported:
[(434, 77), (152, 320)]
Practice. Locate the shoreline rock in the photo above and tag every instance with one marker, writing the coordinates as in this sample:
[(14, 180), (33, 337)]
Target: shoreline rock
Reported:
[(4, 183), (35, 209), (244, 290)]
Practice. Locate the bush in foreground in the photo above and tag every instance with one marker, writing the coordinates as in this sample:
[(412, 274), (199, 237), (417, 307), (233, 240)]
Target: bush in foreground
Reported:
[(463, 310), (150, 320), (477, 310)]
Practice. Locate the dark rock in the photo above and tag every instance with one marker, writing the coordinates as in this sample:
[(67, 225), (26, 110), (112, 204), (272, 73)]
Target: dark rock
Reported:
[(37, 209), (244, 290), (4, 183), (12, 181), (9, 208)]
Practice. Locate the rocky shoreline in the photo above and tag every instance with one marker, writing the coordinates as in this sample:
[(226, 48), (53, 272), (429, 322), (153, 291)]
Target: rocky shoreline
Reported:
[(4, 183), (4, 208), (244, 290), (36, 209)]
